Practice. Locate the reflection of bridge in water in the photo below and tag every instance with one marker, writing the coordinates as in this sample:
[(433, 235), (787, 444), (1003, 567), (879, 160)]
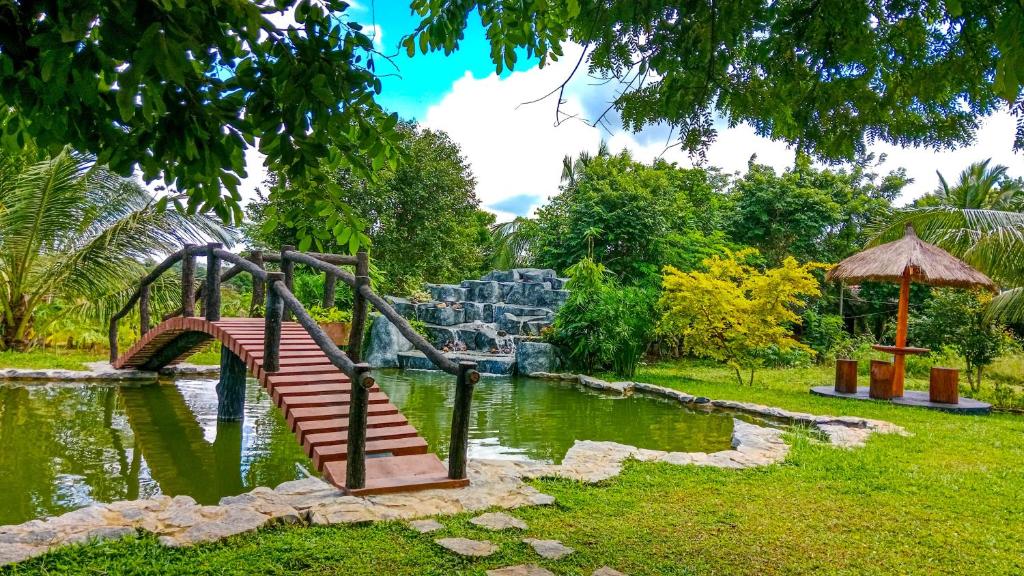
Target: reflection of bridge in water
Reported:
[(173, 444)]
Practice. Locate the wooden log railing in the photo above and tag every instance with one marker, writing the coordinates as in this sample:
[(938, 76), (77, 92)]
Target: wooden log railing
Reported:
[(281, 304)]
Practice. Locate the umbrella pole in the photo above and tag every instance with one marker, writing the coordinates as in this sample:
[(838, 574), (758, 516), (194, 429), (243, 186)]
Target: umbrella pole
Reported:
[(901, 334)]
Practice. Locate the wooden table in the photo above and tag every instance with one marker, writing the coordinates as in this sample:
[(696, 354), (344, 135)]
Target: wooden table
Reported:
[(899, 352)]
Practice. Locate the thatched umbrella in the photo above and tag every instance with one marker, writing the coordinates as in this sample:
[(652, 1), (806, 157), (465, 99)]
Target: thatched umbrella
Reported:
[(907, 260)]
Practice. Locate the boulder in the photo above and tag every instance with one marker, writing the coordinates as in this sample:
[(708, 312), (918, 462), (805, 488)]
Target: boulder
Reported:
[(482, 291), (446, 292), (535, 357), (385, 343), (447, 315)]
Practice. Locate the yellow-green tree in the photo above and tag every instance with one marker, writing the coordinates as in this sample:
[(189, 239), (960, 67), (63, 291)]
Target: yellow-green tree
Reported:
[(733, 312)]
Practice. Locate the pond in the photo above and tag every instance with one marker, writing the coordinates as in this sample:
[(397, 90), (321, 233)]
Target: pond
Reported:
[(63, 446)]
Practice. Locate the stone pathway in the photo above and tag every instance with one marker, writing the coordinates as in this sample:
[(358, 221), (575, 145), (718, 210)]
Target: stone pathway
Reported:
[(549, 549), (425, 526), (521, 570), (606, 571), (467, 547), (498, 521)]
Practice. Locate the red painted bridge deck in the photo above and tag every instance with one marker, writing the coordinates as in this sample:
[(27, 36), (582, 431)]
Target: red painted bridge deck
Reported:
[(314, 396)]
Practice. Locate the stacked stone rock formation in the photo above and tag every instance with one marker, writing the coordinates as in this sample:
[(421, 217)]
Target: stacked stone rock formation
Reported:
[(490, 321)]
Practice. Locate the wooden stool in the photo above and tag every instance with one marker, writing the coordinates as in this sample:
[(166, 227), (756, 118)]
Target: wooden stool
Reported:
[(881, 380), (846, 376), (944, 386)]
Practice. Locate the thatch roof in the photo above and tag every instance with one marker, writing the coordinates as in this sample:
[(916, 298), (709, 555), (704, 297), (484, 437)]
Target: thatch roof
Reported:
[(928, 264)]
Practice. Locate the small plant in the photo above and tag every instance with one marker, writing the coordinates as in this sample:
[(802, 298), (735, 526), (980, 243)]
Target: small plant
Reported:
[(420, 327), (329, 315), (419, 296)]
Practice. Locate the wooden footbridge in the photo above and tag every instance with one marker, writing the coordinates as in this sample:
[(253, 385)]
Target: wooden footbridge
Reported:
[(356, 438)]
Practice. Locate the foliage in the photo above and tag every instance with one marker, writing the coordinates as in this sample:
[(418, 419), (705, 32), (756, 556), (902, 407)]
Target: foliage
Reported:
[(733, 312), (826, 78), (71, 230), (956, 318), (824, 333), (329, 315), (978, 220), (419, 326), (807, 213), (513, 243), (182, 90), (422, 218), (603, 325), (630, 217)]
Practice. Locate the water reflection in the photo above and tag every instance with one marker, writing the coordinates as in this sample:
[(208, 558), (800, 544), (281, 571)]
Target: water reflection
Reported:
[(540, 420), (64, 446)]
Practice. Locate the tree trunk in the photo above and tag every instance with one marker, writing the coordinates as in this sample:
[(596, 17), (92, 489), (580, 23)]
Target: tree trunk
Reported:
[(751, 377), (15, 330), (739, 376), (978, 371)]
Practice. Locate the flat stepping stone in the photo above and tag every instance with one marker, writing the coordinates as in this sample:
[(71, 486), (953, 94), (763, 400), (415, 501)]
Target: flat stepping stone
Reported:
[(606, 571), (467, 547), (550, 549), (498, 521), (521, 570), (424, 526)]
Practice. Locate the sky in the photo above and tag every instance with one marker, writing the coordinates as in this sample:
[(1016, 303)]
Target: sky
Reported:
[(515, 149)]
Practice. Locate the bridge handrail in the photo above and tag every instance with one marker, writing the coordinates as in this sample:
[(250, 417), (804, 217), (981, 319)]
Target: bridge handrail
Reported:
[(406, 329)]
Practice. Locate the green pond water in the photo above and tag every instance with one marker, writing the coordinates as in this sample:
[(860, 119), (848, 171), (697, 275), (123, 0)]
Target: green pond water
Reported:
[(63, 446)]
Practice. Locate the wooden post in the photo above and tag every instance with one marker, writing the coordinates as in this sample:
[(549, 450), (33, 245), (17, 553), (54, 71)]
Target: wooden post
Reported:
[(944, 386), (144, 310), (465, 380), (846, 376), (899, 362), (330, 283), (258, 287), (359, 307), (881, 380), (272, 325), (211, 292), (230, 387), (288, 269), (355, 465), (188, 280)]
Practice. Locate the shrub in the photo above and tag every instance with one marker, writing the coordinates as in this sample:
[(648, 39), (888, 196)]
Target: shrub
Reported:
[(825, 334), (734, 312), (603, 325)]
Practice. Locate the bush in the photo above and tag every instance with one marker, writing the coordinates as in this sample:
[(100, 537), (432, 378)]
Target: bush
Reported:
[(603, 325)]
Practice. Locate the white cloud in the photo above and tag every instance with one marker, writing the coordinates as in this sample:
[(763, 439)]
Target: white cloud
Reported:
[(516, 149)]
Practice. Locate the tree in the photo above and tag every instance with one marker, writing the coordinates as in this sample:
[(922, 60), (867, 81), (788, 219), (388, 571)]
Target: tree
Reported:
[(826, 77), (812, 214), (957, 318), (422, 217), (183, 89), (72, 230), (733, 312), (978, 219), (628, 216)]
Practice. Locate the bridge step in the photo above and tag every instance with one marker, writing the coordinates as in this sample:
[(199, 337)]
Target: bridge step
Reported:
[(392, 447), (397, 474), (306, 427), (314, 396)]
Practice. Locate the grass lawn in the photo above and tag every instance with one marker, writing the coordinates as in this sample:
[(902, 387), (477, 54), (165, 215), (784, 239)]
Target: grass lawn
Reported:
[(946, 500), (75, 359)]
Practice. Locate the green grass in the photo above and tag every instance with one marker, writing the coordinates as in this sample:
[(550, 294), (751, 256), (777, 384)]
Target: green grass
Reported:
[(75, 359), (945, 500)]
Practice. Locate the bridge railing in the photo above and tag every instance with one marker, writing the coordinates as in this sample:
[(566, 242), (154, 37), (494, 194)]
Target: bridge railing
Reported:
[(275, 288)]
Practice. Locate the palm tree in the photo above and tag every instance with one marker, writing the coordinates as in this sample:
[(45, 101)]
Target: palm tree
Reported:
[(74, 231), (573, 167), (978, 219), (512, 243), (982, 188)]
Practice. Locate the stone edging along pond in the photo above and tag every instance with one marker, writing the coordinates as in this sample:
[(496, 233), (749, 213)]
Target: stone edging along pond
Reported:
[(180, 521), (104, 372)]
